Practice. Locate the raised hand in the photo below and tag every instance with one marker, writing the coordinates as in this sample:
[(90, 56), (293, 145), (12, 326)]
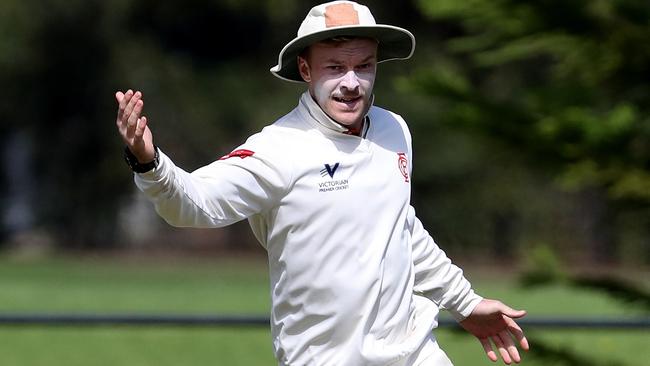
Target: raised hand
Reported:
[(492, 320), (133, 127)]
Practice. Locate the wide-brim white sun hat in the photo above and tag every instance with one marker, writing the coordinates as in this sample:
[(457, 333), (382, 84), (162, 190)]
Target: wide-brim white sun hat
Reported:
[(342, 18)]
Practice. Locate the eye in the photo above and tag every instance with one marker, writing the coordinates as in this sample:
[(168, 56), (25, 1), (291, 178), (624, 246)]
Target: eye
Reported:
[(334, 67)]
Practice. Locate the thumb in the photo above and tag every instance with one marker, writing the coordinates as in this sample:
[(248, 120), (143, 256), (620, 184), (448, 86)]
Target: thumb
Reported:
[(512, 313)]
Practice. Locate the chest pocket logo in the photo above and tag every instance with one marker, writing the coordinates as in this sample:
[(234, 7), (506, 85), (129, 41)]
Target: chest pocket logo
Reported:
[(329, 170), (331, 185)]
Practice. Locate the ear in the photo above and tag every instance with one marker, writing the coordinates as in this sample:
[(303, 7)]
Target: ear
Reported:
[(303, 68)]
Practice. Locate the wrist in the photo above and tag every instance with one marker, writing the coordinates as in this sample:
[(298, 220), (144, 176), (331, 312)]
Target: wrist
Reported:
[(138, 167)]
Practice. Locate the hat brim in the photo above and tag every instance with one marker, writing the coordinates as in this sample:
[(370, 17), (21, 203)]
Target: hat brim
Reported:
[(395, 43)]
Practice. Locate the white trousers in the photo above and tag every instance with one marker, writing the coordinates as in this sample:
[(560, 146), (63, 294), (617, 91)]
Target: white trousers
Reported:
[(430, 354)]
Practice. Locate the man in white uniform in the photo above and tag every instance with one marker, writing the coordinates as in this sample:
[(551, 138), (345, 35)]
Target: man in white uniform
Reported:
[(355, 278)]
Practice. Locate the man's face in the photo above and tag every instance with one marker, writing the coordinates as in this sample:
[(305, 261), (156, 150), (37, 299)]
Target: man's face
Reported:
[(340, 77)]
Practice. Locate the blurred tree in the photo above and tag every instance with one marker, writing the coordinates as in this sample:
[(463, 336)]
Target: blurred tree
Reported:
[(57, 61), (521, 90), (563, 85), (203, 66)]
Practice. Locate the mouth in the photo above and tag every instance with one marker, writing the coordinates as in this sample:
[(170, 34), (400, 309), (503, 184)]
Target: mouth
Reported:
[(350, 102)]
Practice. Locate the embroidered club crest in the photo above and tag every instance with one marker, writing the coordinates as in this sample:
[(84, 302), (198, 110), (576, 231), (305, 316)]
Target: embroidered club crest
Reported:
[(403, 165)]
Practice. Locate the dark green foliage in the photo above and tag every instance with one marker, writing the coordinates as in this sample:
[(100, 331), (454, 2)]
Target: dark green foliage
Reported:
[(543, 268), (61, 64), (530, 119), (561, 87), (563, 82)]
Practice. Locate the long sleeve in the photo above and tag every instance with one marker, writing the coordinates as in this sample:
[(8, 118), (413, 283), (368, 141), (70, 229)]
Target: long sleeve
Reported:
[(216, 195), (436, 277)]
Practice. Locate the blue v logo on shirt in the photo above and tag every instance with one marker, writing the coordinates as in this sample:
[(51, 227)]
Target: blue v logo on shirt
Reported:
[(329, 170)]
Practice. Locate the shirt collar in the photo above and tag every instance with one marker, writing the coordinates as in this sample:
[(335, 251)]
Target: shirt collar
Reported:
[(317, 113)]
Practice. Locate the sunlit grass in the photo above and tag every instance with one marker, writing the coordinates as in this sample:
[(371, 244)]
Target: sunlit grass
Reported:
[(240, 286)]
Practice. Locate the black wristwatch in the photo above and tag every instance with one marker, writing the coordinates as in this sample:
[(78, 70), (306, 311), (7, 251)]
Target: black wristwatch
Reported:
[(138, 167)]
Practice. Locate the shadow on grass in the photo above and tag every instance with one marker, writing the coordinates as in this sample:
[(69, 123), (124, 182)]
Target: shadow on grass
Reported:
[(543, 353)]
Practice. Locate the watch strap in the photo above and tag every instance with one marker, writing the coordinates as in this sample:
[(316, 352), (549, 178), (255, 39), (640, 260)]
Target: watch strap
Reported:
[(138, 167)]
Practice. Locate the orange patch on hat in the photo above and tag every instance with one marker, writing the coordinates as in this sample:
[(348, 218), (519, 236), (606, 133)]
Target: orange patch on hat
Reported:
[(340, 14)]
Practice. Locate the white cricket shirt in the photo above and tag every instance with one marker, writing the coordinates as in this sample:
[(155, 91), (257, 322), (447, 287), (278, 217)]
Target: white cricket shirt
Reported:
[(355, 279)]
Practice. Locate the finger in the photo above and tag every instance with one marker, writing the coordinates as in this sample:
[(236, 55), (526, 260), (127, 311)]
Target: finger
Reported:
[(140, 127), (128, 110), (510, 346), (125, 99), (502, 349), (118, 97), (132, 102), (518, 333), (123, 103), (524, 344), (489, 351), (132, 121)]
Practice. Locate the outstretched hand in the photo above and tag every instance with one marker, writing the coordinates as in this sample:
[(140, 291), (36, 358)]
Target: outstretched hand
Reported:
[(133, 127), (491, 320)]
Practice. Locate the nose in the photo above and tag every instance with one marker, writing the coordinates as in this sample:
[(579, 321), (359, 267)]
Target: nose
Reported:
[(350, 82)]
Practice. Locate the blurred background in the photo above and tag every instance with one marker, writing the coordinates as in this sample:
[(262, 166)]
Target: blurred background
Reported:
[(531, 130)]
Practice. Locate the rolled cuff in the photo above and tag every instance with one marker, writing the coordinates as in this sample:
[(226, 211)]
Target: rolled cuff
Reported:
[(466, 308)]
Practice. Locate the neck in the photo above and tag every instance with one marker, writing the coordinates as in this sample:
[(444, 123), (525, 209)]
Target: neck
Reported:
[(351, 129), (323, 119)]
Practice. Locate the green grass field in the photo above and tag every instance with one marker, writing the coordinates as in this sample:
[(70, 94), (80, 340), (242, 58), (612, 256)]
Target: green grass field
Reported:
[(239, 286)]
